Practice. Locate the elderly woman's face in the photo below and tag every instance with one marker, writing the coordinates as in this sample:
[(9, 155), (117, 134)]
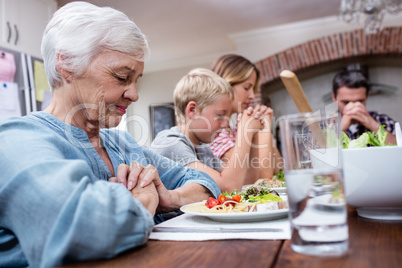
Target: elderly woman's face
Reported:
[(108, 87)]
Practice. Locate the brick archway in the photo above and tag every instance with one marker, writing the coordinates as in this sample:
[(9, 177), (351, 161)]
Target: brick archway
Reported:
[(327, 50)]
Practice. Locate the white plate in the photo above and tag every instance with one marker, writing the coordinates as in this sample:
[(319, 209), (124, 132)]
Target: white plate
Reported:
[(279, 190), (392, 213), (325, 200), (240, 216)]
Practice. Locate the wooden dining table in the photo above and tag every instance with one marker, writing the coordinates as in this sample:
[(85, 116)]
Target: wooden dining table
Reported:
[(372, 243)]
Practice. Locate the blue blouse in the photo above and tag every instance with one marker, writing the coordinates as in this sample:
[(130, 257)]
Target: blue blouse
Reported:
[(55, 202)]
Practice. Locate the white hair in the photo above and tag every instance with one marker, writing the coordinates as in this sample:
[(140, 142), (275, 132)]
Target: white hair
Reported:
[(79, 31)]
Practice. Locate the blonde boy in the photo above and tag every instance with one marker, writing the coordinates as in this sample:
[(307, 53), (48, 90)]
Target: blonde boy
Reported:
[(202, 105)]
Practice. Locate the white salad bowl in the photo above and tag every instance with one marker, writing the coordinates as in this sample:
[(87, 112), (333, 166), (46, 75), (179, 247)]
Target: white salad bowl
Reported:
[(373, 181)]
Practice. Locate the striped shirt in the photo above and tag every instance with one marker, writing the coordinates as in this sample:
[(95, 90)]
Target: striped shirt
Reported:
[(223, 142)]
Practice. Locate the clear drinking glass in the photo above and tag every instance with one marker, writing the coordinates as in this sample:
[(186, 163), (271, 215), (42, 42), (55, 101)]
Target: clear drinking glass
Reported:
[(311, 148)]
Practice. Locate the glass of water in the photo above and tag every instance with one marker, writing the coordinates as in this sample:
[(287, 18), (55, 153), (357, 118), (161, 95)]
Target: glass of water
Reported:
[(311, 148)]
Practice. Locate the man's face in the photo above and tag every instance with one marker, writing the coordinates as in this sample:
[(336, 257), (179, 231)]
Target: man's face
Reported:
[(346, 95)]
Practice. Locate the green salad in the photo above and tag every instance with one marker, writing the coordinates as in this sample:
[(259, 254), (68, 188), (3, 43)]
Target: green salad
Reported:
[(366, 139), (265, 198), (255, 194)]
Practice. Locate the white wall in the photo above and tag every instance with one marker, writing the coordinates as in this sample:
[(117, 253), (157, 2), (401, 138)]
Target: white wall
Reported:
[(157, 87), (388, 104)]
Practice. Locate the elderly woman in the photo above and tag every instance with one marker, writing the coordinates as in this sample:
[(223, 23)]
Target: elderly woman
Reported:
[(56, 204)]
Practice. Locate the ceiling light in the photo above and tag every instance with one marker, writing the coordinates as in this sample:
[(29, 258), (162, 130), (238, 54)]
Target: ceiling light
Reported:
[(373, 10)]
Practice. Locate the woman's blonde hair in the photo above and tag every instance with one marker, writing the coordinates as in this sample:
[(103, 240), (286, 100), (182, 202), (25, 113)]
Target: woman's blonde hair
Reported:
[(202, 86), (235, 69)]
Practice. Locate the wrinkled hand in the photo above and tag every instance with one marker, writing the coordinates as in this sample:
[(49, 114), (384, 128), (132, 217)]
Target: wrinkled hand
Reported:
[(357, 112), (136, 175), (147, 196)]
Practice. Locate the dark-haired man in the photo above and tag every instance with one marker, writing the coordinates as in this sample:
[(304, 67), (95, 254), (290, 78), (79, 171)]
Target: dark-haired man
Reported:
[(350, 90)]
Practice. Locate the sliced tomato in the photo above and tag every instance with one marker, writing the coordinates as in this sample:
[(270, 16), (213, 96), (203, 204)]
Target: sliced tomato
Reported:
[(211, 202), (236, 198), (222, 199)]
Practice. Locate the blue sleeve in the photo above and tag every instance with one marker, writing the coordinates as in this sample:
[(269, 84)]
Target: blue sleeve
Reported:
[(173, 174), (55, 208)]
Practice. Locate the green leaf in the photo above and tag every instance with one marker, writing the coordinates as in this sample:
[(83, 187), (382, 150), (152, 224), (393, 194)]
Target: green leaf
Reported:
[(382, 135), (266, 198), (235, 192), (280, 176), (226, 194), (373, 139), (378, 139), (345, 140), (264, 191), (360, 142)]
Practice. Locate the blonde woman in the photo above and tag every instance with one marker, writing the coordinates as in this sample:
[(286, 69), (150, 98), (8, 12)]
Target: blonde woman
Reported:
[(244, 76)]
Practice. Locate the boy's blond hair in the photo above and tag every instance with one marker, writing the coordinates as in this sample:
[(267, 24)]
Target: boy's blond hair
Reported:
[(202, 86)]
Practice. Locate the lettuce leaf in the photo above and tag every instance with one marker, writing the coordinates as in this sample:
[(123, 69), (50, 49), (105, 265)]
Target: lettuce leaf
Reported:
[(345, 140), (266, 198), (280, 176), (382, 135), (360, 142), (367, 138), (373, 139)]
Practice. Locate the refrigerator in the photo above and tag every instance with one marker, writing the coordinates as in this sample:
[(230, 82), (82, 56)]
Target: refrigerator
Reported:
[(28, 91)]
